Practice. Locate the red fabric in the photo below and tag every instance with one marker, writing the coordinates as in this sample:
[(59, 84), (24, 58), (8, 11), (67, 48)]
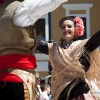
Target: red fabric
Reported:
[(17, 61), (1, 1), (8, 77), (20, 61)]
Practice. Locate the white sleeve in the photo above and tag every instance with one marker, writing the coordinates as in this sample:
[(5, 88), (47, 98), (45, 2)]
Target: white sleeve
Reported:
[(29, 11)]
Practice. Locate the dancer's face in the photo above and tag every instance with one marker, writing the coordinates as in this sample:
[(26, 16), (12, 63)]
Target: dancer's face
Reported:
[(68, 29)]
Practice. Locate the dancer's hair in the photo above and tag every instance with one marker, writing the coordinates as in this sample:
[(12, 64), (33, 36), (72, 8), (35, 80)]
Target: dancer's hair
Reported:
[(66, 18)]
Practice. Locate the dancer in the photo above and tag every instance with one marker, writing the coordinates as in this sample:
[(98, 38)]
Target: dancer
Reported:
[(17, 46), (75, 63)]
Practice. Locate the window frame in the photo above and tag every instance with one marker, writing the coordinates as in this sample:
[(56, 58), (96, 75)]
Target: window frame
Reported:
[(46, 26)]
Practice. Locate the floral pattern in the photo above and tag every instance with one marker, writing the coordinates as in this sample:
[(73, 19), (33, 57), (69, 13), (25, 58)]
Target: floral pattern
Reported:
[(79, 30)]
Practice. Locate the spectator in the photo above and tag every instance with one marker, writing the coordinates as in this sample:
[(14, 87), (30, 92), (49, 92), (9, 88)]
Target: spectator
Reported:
[(38, 89), (45, 92)]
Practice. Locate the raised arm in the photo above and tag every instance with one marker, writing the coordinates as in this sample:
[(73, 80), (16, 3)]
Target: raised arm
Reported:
[(29, 11), (91, 45), (93, 42)]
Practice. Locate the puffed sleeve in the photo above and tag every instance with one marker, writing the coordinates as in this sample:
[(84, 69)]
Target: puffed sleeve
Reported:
[(42, 46), (29, 11)]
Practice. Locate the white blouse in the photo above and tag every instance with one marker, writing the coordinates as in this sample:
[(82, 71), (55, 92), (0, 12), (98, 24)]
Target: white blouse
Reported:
[(29, 11)]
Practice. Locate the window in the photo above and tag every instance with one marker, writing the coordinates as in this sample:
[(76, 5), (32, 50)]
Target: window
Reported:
[(42, 28)]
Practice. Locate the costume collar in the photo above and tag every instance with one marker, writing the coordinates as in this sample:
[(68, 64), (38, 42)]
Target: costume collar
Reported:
[(64, 44)]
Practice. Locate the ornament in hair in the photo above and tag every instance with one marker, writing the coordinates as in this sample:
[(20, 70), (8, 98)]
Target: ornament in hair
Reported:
[(79, 29)]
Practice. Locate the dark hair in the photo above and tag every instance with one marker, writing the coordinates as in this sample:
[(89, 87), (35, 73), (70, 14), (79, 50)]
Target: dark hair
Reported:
[(43, 86), (66, 18)]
